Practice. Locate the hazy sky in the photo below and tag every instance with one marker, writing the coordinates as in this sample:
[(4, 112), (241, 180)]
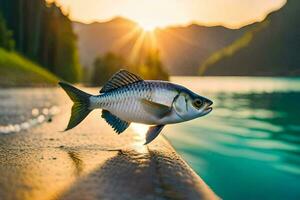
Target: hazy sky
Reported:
[(150, 13)]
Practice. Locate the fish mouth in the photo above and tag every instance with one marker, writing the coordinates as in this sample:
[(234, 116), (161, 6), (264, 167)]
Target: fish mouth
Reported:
[(207, 110)]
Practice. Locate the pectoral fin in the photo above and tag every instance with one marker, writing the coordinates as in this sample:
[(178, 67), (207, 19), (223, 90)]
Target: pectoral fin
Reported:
[(156, 109), (153, 132)]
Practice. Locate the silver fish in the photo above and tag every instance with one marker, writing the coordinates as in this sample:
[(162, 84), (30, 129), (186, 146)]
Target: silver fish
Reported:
[(127, 98)]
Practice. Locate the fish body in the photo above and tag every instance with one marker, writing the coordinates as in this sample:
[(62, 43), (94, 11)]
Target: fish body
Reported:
[(127, 98), (128, 102)]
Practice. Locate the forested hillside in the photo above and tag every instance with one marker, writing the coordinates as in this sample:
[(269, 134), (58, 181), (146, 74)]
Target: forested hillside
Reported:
[(42, 33), (272, 49)]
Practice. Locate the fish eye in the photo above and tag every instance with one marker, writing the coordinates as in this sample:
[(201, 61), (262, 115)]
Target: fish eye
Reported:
[(197, 103)]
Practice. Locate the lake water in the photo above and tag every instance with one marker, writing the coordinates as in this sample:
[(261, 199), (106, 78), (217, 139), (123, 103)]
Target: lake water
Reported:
[(248, 147)]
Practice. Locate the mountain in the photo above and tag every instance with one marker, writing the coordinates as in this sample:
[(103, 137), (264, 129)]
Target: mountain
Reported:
[(187, 47), (99, 38), (180, 47), (270, 48)]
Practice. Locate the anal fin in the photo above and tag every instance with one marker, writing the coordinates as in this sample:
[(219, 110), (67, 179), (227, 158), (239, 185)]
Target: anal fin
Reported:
[(116, 123), (153, 132)]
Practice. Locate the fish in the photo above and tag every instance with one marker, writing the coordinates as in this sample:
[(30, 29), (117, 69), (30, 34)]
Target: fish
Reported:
[(127, 98)]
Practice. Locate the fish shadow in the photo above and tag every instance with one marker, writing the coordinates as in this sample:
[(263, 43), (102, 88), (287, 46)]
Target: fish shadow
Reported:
[(128, 175), (134, 175)]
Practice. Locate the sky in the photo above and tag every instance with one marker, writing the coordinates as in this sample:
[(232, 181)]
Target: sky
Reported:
[(161, 13)]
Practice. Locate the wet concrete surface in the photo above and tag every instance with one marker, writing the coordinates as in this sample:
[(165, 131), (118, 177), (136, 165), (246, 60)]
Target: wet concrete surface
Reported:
[(21, 109), (89, 162)]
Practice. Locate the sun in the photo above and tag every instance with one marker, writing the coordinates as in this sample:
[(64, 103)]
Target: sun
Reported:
[(147, 26)]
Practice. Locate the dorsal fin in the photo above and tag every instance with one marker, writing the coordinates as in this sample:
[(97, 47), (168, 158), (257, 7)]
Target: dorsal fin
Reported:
[(120, 79)]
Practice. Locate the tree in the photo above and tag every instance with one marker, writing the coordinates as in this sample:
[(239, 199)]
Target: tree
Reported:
[(105, 66), (153, 67), (6, 39), (63, 59)]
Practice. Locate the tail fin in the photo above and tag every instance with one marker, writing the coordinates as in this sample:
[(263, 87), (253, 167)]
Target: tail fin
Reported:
[(81, 104)]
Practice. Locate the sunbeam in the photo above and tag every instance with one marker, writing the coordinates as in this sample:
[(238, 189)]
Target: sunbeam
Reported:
[(137, 47), (121, 42)]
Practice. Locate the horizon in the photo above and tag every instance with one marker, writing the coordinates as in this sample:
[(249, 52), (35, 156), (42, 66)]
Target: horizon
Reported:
[(233, 14)]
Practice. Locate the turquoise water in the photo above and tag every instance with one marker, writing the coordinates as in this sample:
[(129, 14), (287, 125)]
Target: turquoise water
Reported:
[(248, 147)]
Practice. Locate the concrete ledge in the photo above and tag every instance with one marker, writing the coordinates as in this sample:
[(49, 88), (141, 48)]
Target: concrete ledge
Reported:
[(92, 162), (178, 179)]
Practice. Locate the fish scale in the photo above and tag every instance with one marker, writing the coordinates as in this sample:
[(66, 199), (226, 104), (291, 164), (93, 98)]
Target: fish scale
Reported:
[(131, 106)]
